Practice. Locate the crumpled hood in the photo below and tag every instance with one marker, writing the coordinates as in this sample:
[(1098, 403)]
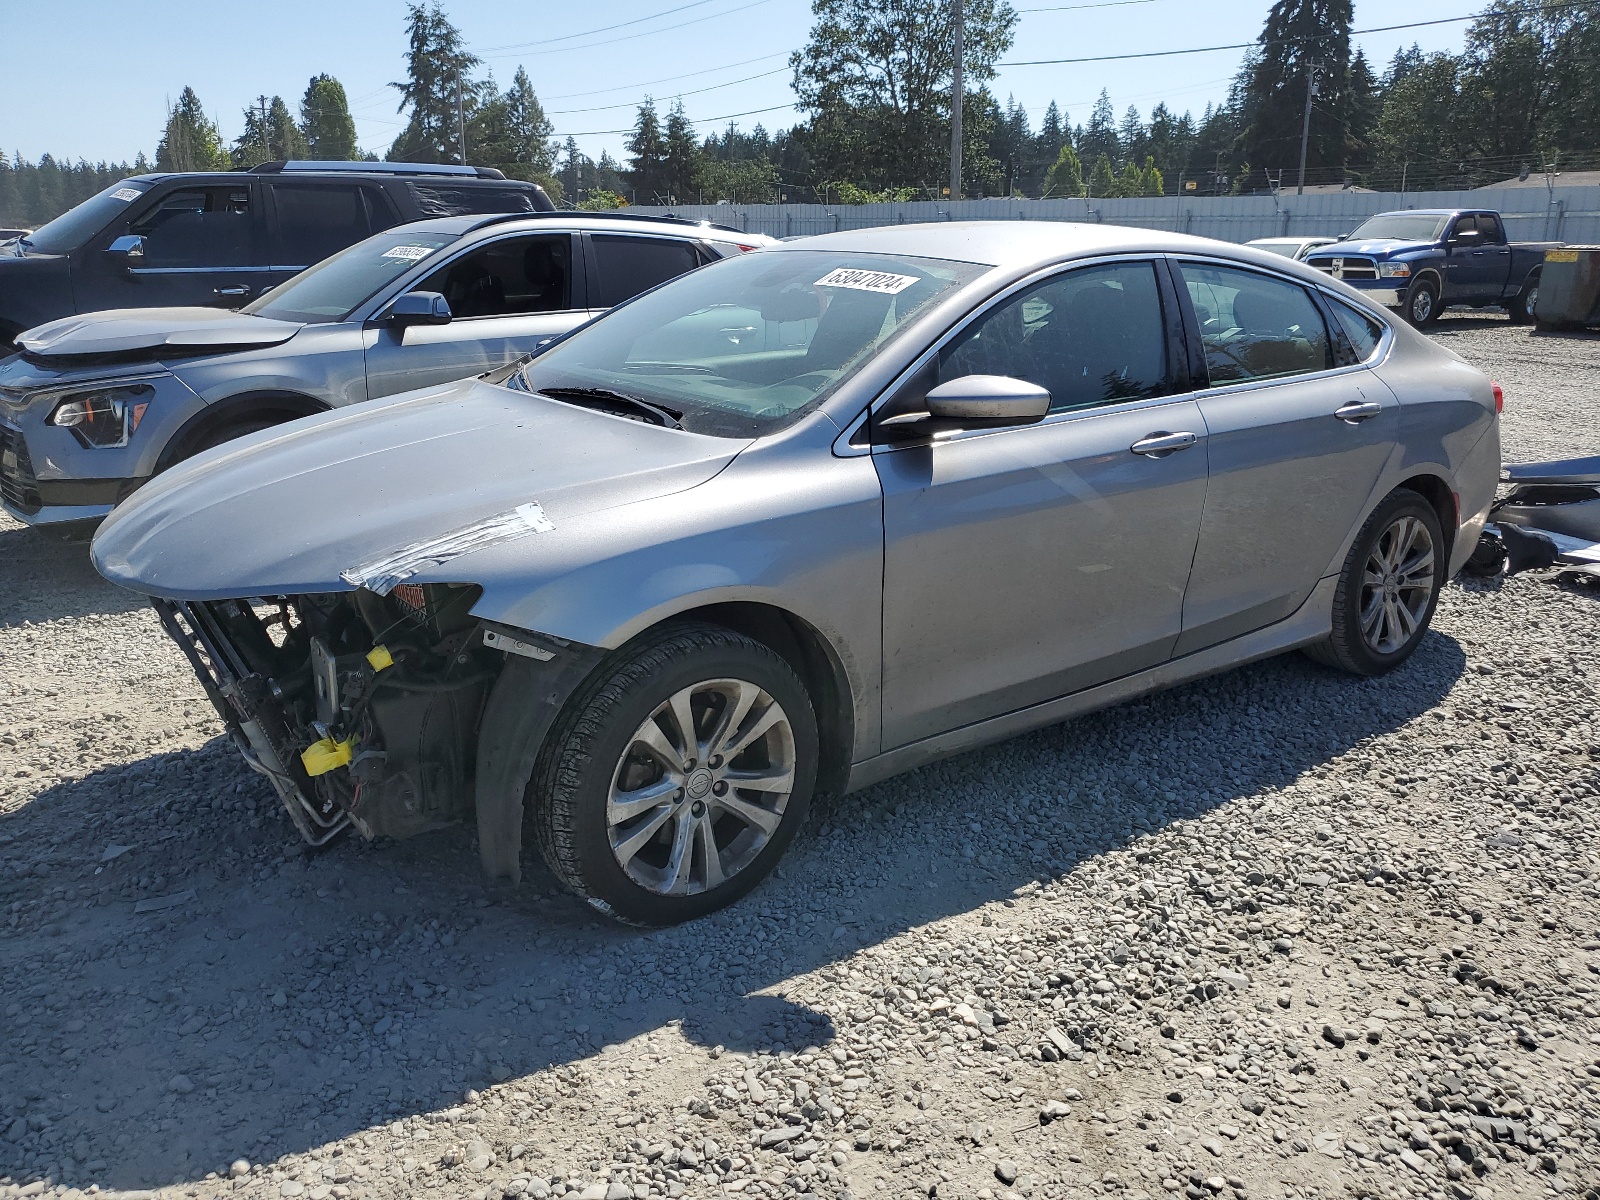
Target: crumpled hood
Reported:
[(308, 506), (1371, 247), (127, 331)]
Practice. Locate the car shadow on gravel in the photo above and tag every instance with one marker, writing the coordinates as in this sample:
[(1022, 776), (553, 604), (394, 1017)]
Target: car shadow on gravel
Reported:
[(48, 579), (271, 1001)]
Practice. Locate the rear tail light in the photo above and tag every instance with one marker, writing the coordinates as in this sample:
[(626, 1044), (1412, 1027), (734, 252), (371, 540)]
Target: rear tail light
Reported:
[(1499, 397), (743, 249)]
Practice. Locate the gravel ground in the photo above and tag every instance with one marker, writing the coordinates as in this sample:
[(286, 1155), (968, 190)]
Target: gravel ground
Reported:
[(1277, 933)]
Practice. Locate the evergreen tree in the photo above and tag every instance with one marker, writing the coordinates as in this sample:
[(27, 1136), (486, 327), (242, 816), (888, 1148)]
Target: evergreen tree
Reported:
[(681, 158), (191, 140), (1417, 140), (1103, 180), (437, 65), (270, 135), (1154, 183), (1099, 138), (1272, 88), (1065, 176), (647, 156), (325, 121), (510, 131), (1132, 138)]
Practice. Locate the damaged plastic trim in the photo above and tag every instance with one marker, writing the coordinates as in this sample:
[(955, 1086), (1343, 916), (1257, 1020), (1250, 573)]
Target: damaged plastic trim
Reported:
[(383, 575)]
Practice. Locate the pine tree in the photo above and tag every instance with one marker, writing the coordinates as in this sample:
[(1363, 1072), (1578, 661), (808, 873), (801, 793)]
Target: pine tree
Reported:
[(681, 159), (510, 131), (270, 135), (1103, 180), (437, 65), (325, 121), (1154, 183), (191, 140), (1272, 87), (1099, 139), (647, 153), (1065, 177), (1132, 139)]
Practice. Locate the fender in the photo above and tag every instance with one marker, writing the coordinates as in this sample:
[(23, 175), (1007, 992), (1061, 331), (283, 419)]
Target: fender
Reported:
[(284, 404)]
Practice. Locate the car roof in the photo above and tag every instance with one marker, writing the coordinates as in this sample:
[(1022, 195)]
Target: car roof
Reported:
[(1014, 244), (378, 172)]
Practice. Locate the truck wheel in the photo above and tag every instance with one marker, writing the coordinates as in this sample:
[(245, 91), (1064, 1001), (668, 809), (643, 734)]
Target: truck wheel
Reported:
[(677, 777), (1422, 303), (1388, 588), (1520, 310)]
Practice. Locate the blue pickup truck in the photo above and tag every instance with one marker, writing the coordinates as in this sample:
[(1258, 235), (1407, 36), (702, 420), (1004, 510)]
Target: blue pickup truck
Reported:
[(1423, 260)]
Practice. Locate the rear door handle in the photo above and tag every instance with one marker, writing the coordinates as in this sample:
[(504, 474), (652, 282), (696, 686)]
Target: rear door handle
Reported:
[(1161, 444), (1357, 411), (236, 290)]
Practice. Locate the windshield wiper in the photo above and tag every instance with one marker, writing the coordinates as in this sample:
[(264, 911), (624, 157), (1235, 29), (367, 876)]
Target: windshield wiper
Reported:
[(606, 400)]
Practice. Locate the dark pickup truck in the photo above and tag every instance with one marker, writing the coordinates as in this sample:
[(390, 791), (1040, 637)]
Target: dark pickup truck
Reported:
[(1423, 260)]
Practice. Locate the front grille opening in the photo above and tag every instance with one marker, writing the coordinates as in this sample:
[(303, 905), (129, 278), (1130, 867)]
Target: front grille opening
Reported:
[(18, 487)]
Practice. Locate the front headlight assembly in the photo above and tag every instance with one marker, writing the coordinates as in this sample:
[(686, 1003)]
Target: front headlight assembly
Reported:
[(1394, 270), (103, 417)]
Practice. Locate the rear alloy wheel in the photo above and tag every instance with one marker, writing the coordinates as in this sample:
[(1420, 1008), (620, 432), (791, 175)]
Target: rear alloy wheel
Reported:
[(1388, 588), (1422, 304), (677, 778)]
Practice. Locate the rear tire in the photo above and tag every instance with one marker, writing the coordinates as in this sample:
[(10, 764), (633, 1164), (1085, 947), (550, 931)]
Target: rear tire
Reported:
[(1422, 303), (1388, 588), (651, 827)]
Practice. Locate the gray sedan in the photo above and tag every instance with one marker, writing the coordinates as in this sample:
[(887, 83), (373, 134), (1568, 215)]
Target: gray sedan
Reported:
[(804, 519)]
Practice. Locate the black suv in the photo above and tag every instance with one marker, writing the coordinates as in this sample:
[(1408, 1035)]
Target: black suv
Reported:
[(221, 238)]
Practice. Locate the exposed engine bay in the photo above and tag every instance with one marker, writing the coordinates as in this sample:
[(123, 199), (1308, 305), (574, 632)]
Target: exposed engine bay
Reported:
[(362, 710)]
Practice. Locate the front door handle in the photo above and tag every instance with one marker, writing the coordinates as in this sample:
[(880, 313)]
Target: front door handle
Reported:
[(1161, 444), (236, 290), (1357, 411)]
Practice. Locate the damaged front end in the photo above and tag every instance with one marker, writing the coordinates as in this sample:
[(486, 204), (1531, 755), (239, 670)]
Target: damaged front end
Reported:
[(360, 709), (1549, 521)]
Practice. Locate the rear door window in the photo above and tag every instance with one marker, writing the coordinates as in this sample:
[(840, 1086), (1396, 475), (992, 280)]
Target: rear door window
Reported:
[(460, 200), (1362, 332), (198, 227), (1255, 326), (513, 275), (319, 219), (627, 266)]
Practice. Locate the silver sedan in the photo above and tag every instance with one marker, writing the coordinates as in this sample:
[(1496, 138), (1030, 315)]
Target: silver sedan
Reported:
[(804, 519)]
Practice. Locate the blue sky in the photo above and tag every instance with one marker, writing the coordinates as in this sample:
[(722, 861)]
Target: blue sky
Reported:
[(92, 78)]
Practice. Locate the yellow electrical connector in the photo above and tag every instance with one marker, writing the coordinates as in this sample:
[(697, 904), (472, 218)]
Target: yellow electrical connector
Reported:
[(321, 757), (379, 658)]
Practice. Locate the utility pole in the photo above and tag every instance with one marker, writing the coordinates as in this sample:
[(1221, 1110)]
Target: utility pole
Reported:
[(461, 122), (956, 98), (1313, 86), (266, 138)]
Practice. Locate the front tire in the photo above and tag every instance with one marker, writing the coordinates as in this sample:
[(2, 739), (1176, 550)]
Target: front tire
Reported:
[(1520, 310), (1422, 303), (676, 778), (1388, 588)]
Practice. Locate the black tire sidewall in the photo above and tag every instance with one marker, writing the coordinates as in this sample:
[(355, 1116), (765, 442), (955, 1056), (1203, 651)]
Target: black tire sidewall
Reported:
[(1401, 503), (605, 883), (1422, 285)]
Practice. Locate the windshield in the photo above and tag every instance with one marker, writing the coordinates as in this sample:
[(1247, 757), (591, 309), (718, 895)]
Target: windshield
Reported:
[(337, 286), (1400, 227), (743, 347), (77, 225)]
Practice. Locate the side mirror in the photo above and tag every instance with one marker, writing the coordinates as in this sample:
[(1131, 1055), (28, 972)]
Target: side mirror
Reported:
[(974, 402), (129, 246), (982, 400), (419, 308)]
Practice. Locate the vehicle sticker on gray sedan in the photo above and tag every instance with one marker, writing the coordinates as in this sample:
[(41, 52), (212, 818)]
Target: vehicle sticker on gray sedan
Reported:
[(866, 281)]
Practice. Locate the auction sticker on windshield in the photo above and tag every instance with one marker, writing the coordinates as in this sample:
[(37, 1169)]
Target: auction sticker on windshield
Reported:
[(409, 253), (126, 194), (866, 281)]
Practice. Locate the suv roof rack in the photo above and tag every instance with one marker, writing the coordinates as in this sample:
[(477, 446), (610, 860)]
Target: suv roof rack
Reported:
[(279, 166), (607, 214)]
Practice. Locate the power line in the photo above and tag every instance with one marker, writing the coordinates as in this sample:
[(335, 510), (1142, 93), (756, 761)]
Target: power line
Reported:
[(628, 87), (1080, 7), (703, 121), (561, 112), (1051, 62), (628, 37), (568, 37)]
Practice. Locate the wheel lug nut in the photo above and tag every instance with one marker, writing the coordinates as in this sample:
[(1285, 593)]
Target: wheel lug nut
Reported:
[(716, 761), (699, 808), (720, 788)]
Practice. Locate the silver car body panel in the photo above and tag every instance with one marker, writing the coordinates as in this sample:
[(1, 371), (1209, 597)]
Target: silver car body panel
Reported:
[(1073, 548)]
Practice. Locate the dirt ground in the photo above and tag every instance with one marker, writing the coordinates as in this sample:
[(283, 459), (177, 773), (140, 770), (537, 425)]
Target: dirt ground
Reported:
[(1277, 933)]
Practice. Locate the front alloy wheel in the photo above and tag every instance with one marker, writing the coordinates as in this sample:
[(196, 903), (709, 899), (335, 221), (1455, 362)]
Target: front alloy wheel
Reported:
[(1422, 305), (677, 775), (701, 787)]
